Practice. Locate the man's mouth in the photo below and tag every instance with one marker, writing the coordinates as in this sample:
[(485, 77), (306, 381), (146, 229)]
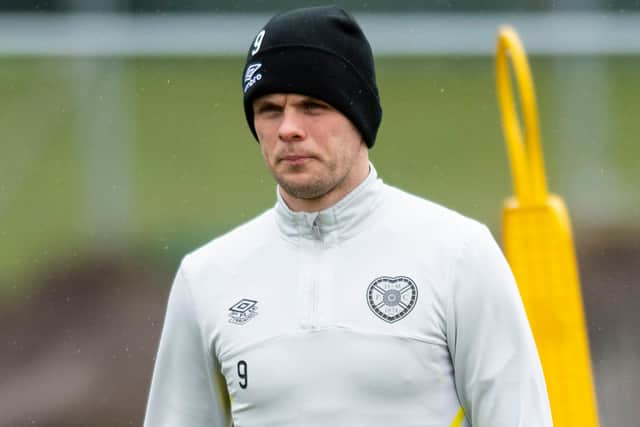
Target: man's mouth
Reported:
[(295, 160)]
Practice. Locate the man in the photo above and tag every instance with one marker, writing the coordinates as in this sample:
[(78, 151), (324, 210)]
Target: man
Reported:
[(350, 303)]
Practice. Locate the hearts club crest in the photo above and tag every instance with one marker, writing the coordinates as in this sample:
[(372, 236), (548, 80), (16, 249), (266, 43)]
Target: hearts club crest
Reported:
[(392, 298)]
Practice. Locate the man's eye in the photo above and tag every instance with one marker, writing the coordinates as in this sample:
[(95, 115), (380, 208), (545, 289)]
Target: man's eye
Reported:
[(268, 108), (313, 106)]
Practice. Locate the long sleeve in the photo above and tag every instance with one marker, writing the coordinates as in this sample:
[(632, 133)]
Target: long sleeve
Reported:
[(187, 388), (498, 374)]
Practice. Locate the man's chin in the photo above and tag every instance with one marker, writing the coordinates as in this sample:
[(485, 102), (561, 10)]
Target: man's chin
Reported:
[(304, 189)]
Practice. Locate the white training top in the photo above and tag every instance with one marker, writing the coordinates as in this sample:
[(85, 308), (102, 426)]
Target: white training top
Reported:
[(384, 310)]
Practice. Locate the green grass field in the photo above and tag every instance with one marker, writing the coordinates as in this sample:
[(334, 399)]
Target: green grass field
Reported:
[(154, 154)]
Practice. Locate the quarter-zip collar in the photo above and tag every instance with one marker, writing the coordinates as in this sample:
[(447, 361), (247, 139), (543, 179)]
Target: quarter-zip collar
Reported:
[(336, 223)]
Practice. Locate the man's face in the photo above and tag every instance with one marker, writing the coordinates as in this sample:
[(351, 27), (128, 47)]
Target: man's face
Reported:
[(310, 147)]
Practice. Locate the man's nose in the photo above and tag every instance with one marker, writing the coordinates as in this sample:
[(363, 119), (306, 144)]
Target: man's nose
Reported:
[(292, 126)]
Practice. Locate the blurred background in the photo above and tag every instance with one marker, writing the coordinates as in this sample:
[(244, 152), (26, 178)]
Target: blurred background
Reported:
[(123, 146)]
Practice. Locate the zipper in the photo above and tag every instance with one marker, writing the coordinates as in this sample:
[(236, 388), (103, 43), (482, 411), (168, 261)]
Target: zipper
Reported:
[(311, 278), (313, 289)]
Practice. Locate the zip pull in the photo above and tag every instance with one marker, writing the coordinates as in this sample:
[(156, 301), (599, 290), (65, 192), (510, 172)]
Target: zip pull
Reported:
[(315, 229)]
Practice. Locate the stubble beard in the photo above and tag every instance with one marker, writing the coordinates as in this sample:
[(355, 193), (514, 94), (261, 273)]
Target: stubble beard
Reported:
[(312, 189), (308, 191)]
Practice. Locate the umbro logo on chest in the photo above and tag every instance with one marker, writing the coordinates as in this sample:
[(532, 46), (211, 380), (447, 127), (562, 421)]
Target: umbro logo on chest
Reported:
[(243, 311), (392, 298)]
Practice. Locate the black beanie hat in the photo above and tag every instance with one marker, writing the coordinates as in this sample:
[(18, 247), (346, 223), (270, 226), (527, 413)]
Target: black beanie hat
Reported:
[(319, 52)]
